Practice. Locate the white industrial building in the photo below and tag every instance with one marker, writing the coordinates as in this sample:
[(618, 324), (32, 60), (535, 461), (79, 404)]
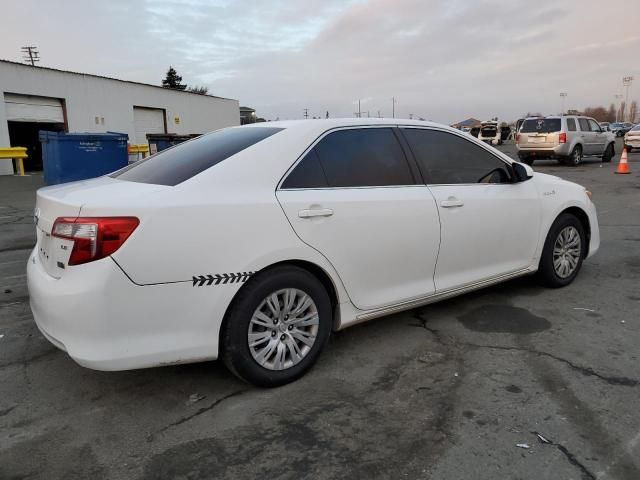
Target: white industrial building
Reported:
[(40, 98)]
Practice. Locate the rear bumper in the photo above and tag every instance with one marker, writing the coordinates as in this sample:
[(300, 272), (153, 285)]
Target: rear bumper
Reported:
[(106, 322), (633, 142), (559, 152)]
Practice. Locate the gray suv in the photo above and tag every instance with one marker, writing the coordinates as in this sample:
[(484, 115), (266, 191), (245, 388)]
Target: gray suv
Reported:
[(566, 138)]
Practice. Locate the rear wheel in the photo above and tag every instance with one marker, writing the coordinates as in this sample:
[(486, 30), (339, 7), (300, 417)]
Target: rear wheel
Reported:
[(575, 158), (608, 153), (628, 148), (276, 327), (564, 250)]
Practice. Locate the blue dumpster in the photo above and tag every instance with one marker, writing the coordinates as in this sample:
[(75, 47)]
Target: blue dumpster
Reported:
[(67, 157), (162, 141)]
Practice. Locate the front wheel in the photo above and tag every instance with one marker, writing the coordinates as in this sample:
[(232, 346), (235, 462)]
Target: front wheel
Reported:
[(608, 153), (276, 326), (564, 250)]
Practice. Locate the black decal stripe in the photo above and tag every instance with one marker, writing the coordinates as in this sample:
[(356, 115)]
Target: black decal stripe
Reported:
[(218, 278)]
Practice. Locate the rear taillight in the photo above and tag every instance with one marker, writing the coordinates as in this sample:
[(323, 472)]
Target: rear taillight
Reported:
[(517, 139), (562, 138), (94, 237)]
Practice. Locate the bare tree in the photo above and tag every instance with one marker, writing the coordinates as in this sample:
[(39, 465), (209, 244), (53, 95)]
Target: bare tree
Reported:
[(199, 90)]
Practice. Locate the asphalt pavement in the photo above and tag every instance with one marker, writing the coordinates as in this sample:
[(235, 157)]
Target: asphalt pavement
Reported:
[(511, 382)]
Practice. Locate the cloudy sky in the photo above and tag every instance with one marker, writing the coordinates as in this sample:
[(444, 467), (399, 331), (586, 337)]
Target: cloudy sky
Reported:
[(444, 60)]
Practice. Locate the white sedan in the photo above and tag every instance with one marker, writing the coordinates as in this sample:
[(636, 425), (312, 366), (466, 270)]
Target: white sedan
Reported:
[(253, 243)]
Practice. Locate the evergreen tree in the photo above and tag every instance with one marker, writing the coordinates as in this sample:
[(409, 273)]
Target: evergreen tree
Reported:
[(173, 80)]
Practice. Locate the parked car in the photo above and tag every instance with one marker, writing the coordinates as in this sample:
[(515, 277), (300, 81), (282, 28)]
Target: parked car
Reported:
[(632, 138), (565, 138), (491, 133), (251, 244), (605, 126), (620, 128)]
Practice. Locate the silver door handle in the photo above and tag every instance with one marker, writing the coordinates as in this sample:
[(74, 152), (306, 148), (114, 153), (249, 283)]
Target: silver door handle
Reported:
[(451, 203), (315, 212)]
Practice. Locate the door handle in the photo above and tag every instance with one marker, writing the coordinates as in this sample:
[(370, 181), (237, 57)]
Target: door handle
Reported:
[(451, 202), (315, 212)]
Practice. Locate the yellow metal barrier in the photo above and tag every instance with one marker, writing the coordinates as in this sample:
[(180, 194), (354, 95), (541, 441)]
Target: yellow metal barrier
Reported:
[(17, 153), (142, 148)]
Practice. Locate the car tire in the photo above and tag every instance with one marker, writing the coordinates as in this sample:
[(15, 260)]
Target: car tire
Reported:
[(628, 148), (251, 319), (575, 158), (608, 153), (561, 256)]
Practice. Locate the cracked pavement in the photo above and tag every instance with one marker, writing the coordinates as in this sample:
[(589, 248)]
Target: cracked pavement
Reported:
[(446, 391)]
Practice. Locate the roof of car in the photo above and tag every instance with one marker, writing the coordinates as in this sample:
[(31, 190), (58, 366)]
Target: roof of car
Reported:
[(343, 122)]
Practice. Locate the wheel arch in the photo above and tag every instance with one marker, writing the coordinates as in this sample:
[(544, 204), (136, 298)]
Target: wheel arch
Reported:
[(582, 216), (317, 271)]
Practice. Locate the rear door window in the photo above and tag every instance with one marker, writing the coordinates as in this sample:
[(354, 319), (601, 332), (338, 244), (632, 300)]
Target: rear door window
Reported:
[(571, 124), (179, 163), (541, 125), (363, 157), (307, 173), (445, 158), (584, 125)]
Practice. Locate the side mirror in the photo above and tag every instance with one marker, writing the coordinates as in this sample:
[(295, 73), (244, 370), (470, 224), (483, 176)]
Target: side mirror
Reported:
[(522, 171)]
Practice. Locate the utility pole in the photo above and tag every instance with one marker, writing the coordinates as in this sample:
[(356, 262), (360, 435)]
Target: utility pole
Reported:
[(411, 116), (393, 109), (618, 97), (30, 55), (306, 113), (378, 113), (359, 111), (563, 96), (626, 81)]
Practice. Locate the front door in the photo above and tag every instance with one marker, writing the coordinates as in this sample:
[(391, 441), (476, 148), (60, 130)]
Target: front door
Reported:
[(355, 199), (489, 224)]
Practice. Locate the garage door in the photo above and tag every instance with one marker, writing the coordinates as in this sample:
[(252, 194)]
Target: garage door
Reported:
[(30, 108), (147, 120)]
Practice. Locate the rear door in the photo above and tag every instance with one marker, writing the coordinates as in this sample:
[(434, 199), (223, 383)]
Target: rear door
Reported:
[(355, 198), (489, 224), (540, 133)]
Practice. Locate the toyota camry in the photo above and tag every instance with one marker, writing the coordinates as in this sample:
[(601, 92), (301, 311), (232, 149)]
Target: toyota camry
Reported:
[(252, 244)]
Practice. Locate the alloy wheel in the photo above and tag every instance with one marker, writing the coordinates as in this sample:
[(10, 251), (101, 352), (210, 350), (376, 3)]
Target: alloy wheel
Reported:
[(283, 329), (566, 252)]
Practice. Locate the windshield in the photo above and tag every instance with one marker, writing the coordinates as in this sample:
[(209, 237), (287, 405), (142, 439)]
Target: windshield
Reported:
[(541, 125), (177, 164)]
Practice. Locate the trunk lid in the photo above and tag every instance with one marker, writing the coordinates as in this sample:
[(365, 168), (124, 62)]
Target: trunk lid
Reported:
[(67, 200)]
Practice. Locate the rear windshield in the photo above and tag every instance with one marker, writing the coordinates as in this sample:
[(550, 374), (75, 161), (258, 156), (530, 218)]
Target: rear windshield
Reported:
[(636, 128), (541, 125), (180, 163), (489, 131)]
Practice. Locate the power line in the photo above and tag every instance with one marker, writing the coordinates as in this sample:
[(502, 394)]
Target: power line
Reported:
[(30, 55)]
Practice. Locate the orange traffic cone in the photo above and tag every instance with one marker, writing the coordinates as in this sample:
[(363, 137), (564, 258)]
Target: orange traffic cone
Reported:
[(623, 166)]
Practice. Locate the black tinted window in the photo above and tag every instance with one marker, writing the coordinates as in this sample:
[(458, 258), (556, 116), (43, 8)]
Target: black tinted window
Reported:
[(584, 125), (177, 164), (363, 157), (571, 124), (541, 125), (445, 158), (307, 173)]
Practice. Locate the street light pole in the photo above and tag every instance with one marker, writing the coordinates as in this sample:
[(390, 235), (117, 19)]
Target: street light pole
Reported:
[(618, 97), (393, 107), (626, 81), (563, 95)]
